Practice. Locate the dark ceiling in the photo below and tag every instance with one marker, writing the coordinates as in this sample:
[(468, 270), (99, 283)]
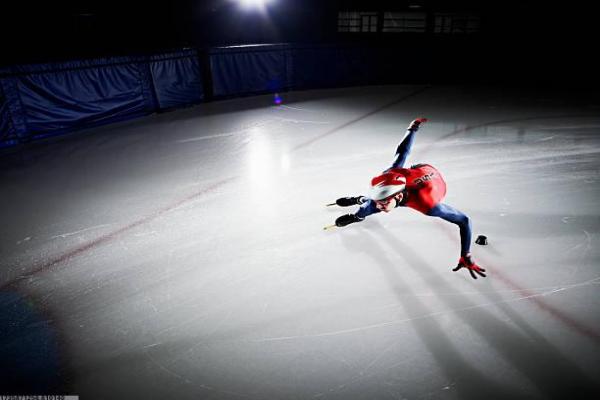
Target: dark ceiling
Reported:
[(37, 31)]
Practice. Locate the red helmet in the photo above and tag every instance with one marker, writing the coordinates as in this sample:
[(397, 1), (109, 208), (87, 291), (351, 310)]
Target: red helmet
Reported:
[(386, 185)]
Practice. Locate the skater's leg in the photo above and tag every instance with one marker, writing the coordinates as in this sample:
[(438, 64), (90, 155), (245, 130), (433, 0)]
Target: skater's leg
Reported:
[(403, 149), (405, 145), (453, 215)]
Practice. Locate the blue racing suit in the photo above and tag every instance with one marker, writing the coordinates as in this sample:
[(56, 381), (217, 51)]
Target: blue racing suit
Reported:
[(425, 197)]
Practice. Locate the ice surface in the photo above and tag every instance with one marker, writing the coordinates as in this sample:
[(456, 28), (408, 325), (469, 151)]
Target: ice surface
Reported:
[(182, 255)]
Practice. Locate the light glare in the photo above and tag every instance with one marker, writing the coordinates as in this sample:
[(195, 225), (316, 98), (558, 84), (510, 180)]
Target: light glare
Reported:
[(254, 3)]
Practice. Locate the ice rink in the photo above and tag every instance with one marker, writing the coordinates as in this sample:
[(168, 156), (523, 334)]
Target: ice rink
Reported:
[(183, 256)]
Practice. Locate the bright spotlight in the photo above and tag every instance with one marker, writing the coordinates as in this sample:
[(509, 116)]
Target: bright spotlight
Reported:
[(254, 3)]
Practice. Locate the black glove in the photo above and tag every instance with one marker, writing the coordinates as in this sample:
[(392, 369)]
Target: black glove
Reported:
[(347, 220), (349, 201)]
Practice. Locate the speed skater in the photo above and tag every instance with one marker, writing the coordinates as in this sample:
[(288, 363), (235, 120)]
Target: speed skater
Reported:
[(420, 187)]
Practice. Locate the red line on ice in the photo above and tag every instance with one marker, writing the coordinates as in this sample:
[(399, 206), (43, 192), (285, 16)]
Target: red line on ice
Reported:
[(338, 128), (566, 319), (111, 235)]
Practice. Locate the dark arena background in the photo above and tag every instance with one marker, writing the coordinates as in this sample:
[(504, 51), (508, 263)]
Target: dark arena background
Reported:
[(164, 175)]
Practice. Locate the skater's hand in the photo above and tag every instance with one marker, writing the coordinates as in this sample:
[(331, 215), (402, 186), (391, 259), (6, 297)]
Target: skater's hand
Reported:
[(416, 123), (472, 269), (467, 262)]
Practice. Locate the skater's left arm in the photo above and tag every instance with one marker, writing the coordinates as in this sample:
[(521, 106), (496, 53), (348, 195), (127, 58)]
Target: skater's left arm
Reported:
[(451, 214)]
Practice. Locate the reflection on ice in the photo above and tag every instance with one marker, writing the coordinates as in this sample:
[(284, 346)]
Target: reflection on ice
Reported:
[(183, 256)]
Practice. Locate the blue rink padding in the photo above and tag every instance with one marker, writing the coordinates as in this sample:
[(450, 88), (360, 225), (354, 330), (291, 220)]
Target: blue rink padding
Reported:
[(333, 65), (177, 79), (49, 99), (14, 113), (242, 70), (7, 131), (62, 97)]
